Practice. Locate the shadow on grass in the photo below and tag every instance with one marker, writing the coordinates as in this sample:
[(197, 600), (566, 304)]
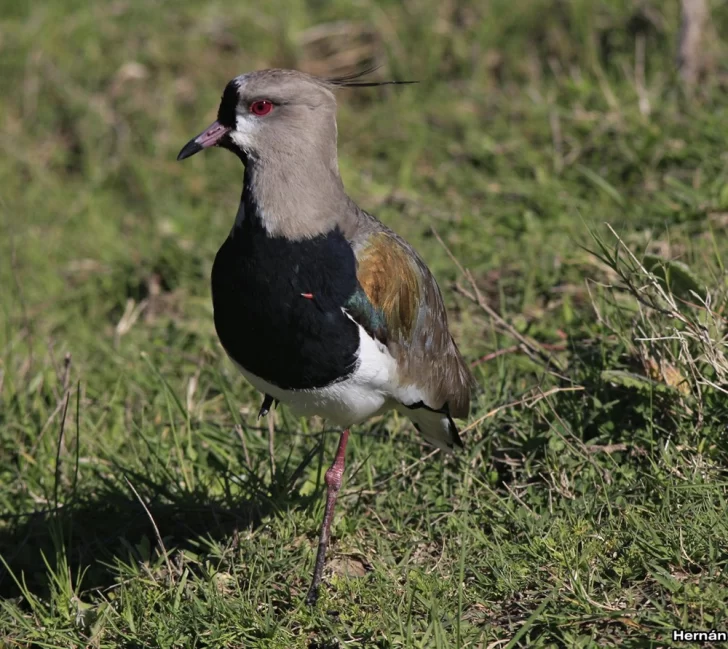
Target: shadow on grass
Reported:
[(91, 534)]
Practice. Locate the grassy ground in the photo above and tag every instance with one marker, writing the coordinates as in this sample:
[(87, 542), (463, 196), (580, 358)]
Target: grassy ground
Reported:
[(143, 504)]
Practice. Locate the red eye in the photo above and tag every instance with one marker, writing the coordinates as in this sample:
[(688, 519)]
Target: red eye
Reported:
[(262, 107)]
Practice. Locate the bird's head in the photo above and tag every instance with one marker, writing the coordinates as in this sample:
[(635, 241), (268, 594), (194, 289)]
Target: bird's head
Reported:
[(282, 125), (275, 113), (267, 112)]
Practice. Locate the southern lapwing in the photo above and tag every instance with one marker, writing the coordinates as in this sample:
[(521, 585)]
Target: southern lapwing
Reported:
[(320, 305)]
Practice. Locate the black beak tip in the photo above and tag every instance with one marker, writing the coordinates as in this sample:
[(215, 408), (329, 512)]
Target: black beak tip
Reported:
[(189, 149)]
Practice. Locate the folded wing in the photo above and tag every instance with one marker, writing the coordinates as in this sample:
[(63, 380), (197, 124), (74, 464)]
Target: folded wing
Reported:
[(399, 303)]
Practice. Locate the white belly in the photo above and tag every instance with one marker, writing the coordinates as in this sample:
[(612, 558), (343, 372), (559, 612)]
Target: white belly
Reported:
[(365, 393)]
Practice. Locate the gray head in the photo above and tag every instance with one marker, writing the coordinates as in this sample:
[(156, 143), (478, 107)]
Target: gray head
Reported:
[(282, 125), (264, 114)]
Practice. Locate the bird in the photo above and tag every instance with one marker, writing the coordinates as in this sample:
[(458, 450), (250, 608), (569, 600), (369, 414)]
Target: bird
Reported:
[(321, 306)]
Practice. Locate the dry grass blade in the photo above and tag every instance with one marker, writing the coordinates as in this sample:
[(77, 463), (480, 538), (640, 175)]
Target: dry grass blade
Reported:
[(701, 343), (241, 435), (163, 549), (676, 333), (496, 354), (529, 346)]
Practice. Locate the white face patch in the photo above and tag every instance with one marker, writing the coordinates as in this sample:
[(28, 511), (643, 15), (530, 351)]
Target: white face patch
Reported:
[(246, 127)]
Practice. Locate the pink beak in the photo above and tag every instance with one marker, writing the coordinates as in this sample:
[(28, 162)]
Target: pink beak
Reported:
[(209, 137)]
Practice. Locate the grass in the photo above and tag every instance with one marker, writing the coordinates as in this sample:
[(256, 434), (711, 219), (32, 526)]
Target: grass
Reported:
[(142, 502)]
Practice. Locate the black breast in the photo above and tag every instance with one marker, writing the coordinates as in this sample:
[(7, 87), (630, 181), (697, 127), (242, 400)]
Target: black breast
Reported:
[(263, 319)]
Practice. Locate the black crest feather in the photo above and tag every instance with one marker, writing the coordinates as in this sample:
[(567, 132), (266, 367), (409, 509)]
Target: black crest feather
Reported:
[(352, 80)]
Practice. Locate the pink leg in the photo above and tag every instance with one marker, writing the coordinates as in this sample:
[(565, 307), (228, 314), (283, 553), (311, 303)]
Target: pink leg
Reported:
[(333, 484)]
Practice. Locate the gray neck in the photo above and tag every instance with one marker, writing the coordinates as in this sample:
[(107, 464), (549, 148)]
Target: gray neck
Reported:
[(296, 197)]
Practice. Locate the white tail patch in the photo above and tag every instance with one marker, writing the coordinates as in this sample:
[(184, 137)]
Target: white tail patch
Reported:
[(436, 427)]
